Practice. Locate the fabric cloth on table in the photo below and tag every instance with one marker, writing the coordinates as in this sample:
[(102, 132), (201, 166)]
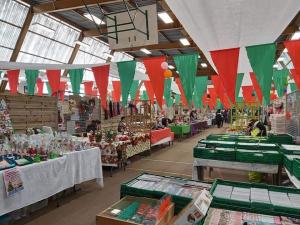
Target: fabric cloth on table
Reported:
[(45, 179), (180, 130), (157, 135)]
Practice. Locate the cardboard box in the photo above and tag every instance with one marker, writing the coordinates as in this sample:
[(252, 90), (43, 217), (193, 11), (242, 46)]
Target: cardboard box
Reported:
[(105, 217)]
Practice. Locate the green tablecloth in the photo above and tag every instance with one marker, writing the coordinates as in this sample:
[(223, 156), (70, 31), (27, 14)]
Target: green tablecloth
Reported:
[(180, 130)]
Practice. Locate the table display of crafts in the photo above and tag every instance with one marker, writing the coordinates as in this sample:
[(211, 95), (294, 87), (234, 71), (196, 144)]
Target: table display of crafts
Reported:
[(24, 149), (113, 146)]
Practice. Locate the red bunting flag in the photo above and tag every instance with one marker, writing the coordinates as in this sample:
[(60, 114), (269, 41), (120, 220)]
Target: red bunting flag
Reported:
[(95, 92), (40, 86), (149, 90), (182, 95), (88, 87), (101, 74), (213, 98), (117, 91), (293, 48), (220, 90), (156, 76), (226, 62), (137, 97), (54, 80), (248, 94), (13, 80), (256, 87), (62, 88), (296, 77)]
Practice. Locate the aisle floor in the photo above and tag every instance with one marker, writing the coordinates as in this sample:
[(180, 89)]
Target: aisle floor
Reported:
[(80, 208)]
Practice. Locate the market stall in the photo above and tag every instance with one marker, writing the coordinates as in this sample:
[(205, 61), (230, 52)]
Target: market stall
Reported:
[(196, 126), (161, 136), (180, 130), (45, 179)]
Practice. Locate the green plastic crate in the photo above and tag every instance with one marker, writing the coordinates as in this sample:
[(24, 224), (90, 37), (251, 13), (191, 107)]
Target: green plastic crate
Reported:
[(256, 207), (216, 143), (179, 201), (296, 168), (256, 156), (225, 154), (290, 149)]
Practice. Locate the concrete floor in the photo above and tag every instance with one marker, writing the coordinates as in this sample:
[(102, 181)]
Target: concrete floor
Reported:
[(80, 208)]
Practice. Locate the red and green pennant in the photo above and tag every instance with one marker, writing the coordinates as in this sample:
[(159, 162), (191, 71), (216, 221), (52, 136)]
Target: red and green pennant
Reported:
[(54, 81), (88, 88), (134, 89), (177, 99), (256, 87), (226, 62), (280, 80), (293, 87), (48, 89), (13, 80), (248, 94), (76, 76), (156, 76), (239, 81), (182, 96), (187, 68), (117, 90), (167, 92), (101, 74), (293, 48), (296, 76), (40, 86), (150, 92), (200, 89), (126, 71), (31, 77), (262, 58), (220, 91)]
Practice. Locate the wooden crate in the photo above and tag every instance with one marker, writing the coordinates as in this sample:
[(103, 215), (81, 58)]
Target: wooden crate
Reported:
[(31, 111), (103, 218)]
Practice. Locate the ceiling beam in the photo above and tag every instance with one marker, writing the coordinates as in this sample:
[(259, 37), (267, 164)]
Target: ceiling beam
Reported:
[(64, 5), (161, 27), (19, 44), (160, 46)]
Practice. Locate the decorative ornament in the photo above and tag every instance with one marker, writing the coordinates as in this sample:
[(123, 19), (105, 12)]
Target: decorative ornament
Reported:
[(168, 74), (164, 65)]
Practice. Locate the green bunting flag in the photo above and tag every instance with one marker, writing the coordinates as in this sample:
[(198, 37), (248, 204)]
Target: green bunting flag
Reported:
[(48, 89), (126, 72), (76, 76), (239, 80), (167, 91), (262, 58), (198, 104), (280, 80), (177, 99), (293, 87), (133, 89), (219, 104), (187, 67), (144, 96), (31, 76), (200, 88)]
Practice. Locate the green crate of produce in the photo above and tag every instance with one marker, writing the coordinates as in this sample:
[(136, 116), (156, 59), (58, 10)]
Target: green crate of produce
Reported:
[(256, 156), (264, 199), (226, 154), (296, 168), (280, 139), (290, 149), (257, 146), (214, 144)]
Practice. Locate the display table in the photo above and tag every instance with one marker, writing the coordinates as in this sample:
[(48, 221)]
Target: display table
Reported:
[(180, 130), (197, 125), (199, 164), (161, 136), (139, 143), (45, 179)]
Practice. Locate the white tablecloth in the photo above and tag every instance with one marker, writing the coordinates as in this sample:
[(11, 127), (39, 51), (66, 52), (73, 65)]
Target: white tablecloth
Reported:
[(45, 179), (257, 167)]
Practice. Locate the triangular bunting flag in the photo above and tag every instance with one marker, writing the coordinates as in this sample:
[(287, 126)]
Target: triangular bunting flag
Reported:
[(280, 80), (296, 77), (134, 89), (31, 76), (238, 85), (40, 86), (76, 76), (226, 62), (101, 74), (54, 81), (167, 91), (117, 90), (13, 80), (293, 48), (256, 87), (150, 92), (182, 96)]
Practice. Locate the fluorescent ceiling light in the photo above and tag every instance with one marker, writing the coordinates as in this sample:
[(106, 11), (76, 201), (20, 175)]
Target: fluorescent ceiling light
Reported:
[(94, 18), (296, 36), (171, 67), (43, 27), (146, 51), (280, 59), (184, 41), (275, 66), (82, 44), (204, 65), (165, 17)]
